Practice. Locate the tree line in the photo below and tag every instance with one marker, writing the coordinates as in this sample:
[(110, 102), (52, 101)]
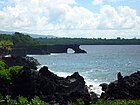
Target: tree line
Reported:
[(19, 39), (89, 41)]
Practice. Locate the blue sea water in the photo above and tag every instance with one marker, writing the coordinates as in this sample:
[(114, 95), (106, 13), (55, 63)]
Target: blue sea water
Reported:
[(100, 64)]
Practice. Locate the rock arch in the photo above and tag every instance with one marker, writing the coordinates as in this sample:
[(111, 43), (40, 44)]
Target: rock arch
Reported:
[(76, 48), (46, 49), (70, 50)]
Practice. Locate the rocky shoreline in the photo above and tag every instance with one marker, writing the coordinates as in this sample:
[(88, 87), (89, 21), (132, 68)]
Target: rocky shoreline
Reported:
[(43, 83), (127, 87), (51, 88)]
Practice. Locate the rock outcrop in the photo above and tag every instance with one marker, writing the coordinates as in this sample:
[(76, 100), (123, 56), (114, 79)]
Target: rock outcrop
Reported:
[(29, 62), (127, 87), (46, 49), (44, 84), (69, 88), (64, 48)]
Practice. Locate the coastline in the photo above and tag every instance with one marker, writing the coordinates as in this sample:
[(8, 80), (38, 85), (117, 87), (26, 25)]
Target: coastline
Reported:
[(47, 85), (92, 85), (29, 82)]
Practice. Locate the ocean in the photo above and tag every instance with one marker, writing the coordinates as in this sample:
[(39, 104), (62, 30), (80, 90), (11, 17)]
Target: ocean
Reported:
[(100, 65)]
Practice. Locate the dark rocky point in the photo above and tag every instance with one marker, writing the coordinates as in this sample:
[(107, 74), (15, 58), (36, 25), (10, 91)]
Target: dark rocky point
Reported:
[(29, 62), (127, 87)]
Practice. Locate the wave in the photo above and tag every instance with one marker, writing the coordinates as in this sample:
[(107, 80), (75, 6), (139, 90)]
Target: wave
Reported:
[(93, 86)]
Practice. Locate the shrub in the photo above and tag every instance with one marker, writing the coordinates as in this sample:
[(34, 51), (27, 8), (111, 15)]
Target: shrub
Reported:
[(2, 65), (13, 102), (22, 100), (36, 101), (7, 73), (14, 70), (79, 102)]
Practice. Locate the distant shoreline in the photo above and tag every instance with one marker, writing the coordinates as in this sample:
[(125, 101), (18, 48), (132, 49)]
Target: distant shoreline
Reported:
[(28, 40)]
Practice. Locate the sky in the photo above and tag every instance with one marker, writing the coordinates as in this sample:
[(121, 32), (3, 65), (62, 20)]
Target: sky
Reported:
[(72, 18)]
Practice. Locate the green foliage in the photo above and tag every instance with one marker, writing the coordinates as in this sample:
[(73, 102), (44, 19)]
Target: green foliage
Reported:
[(37, 101), (22, 100), (2, 65), (87, 41), (5, 46), (117, 102), (19, 39), (4, 73), (7, 99), (79, 102), (13, 102), (14, 70), (7, 73)]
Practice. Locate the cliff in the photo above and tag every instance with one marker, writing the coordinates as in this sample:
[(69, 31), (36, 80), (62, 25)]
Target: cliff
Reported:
[(46, 49)]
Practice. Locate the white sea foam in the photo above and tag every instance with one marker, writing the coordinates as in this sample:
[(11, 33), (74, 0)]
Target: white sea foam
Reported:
[(57, 53), (63, 74), (32, 55), (93, 86)]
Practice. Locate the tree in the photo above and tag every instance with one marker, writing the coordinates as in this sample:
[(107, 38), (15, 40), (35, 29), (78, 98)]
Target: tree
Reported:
[(20, 39), (5, 46)]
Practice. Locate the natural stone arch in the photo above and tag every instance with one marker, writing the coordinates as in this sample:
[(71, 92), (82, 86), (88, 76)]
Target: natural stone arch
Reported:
[(70, 50)]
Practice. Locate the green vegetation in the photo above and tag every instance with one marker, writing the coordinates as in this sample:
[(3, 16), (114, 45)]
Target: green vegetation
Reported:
[(88, 41), (5, 46), (20, 100), (117, 102), (6, 73), (19, 39)]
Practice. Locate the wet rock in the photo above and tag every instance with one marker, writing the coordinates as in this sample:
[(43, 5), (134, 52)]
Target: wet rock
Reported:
[(104, 86)]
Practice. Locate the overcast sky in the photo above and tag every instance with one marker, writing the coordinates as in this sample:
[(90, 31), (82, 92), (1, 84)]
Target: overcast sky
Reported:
[(72, 18)]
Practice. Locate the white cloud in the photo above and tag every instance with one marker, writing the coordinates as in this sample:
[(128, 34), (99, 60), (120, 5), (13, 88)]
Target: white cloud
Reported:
[(121, 18), (60, 18), (97, 2)]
